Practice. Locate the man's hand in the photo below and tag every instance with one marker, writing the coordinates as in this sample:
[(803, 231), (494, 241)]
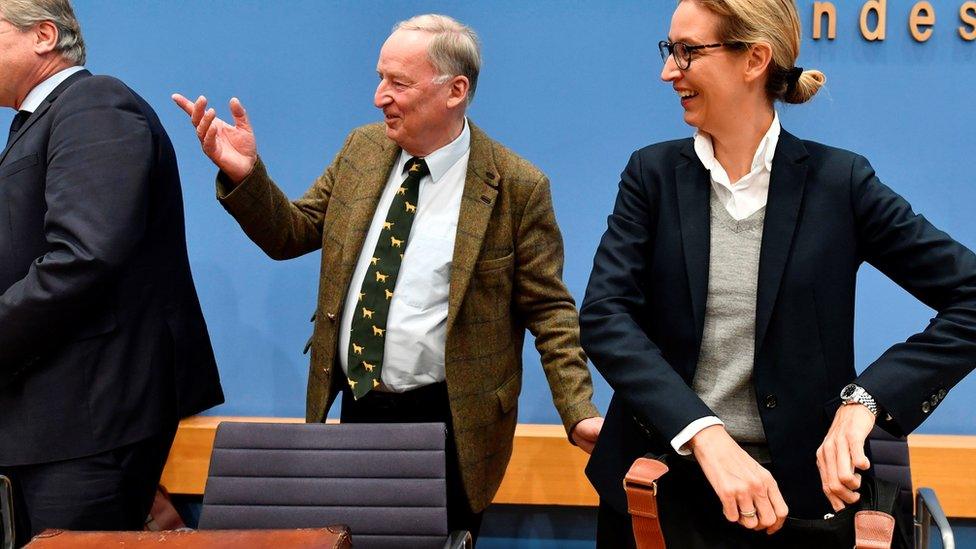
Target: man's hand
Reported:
[(749, 494), (842, 452), (586, 432), (231, 148)]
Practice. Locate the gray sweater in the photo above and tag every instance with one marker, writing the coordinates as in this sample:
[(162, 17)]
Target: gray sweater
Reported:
[(723, 379)]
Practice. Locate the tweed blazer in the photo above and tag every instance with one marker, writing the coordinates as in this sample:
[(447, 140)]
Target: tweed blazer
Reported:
[(506, 276)]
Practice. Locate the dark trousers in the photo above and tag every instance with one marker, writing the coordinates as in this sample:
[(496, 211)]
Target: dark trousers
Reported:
[(112, 490), (428, 404), (691, 517)]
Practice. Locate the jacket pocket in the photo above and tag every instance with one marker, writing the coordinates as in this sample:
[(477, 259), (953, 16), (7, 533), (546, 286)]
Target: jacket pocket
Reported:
[(101, 325), (495, 263), (508, 392), (17, 165)]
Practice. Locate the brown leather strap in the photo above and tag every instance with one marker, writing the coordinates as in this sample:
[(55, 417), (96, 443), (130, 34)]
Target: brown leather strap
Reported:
[(873, 530), (640, 484)]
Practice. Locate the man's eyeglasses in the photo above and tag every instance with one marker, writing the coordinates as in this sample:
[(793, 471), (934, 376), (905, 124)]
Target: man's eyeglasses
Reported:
[(683, 53)]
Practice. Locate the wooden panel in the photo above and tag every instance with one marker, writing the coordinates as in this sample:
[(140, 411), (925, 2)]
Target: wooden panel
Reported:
[(947, 464), (547, 470)]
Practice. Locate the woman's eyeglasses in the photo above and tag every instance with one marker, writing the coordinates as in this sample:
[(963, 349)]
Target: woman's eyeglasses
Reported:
[(683, 53)]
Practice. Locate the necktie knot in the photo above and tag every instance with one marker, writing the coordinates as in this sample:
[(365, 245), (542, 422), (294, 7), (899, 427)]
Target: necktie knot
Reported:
[(19, 120), (416, 167), (17, 123)]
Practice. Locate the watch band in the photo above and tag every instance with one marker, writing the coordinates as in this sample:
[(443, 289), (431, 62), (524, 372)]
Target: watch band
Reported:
[(855, 394)]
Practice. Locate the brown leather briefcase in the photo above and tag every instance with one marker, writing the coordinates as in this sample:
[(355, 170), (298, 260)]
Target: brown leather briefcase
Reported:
[(333, 537)]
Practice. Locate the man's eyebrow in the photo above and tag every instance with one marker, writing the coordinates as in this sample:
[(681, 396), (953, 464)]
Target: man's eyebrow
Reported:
[(392, 74)]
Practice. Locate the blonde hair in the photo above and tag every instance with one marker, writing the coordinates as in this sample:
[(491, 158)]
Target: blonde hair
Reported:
[(774, 22), (453, 50), (24, 14)]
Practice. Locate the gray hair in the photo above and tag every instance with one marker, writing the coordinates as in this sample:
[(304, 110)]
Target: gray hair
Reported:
[(24, 14), (454, 49)]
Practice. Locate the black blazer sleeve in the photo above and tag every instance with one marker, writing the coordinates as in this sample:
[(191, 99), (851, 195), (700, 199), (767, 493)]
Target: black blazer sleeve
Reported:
[(99, 159), (610, 318), (911, 378)]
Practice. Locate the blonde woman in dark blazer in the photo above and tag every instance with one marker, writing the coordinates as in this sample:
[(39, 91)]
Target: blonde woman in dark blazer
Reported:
[(720, 308)]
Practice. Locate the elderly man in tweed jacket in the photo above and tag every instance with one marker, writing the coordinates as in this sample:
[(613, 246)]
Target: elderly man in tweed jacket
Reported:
[(439, 248)]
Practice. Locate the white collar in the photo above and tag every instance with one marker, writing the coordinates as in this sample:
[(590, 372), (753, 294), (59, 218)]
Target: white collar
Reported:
[(42, 90), (762, 158), (441, 160)]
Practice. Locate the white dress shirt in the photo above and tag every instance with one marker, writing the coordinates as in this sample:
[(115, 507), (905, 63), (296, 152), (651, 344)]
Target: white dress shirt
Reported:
[(741, 199), (416, 328), (42, 90), (747, 195)]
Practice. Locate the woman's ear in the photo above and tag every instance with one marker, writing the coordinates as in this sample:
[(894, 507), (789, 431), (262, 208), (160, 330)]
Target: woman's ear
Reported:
[(758, 58)]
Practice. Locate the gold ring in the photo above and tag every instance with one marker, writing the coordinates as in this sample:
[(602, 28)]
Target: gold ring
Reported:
[(747, 514)]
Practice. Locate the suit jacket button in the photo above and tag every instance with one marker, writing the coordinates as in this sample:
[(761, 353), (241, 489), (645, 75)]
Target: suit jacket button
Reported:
[(770, 402), (331, 316), (942, 394), (926, 408)]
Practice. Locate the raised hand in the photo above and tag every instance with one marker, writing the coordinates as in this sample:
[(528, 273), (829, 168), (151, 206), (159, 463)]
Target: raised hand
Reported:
[(232, 148), (749, 493), (842, 453)]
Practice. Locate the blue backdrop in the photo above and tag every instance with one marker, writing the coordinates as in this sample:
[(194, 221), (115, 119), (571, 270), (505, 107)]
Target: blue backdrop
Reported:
[(572, 86)]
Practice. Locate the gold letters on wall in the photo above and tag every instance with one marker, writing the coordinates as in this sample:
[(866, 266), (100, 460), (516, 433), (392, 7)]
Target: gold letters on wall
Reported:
[(874, 20), (879, 8), (821, 10), (967, 14), (922, 16)]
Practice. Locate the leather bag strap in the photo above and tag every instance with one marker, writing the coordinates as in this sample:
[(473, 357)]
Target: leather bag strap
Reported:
[(640, 485)]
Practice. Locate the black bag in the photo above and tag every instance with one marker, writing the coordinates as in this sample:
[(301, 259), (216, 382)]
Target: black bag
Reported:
[(837, 529)]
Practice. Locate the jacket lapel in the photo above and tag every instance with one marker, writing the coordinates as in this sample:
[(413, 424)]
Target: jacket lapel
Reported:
[(374, 165), (786, 185), (693, 190), (44, 106), (480, 190)]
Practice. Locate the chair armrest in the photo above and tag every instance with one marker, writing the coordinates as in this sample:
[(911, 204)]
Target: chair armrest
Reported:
[(929, 510), (7, 512), (459, 539)]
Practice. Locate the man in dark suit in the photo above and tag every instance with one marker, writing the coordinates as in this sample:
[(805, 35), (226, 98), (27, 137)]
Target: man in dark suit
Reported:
[(103, 347), (427, 326)]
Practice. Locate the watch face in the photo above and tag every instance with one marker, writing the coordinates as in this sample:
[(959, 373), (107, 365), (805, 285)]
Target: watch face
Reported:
[(848, 391)]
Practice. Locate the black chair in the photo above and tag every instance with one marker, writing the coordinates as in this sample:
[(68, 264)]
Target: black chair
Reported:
[(6, 513), (891, 463), (386, 482)]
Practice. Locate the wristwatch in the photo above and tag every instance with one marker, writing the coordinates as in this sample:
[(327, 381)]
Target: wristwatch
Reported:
[(855, 394)]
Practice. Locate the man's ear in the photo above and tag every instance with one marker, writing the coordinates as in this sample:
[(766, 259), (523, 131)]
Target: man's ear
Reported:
[(45, 35), (759, 57), (458, 93)]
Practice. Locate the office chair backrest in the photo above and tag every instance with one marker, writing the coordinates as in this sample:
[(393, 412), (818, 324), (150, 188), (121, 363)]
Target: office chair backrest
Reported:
[(385, 481)]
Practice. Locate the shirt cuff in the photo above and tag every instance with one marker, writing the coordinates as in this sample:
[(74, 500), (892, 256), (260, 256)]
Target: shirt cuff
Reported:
[(686, 434)]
